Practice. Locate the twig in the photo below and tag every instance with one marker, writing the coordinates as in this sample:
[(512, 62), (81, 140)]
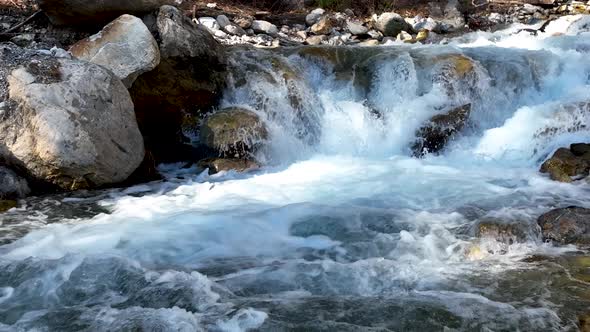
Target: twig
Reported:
[(27, 20)]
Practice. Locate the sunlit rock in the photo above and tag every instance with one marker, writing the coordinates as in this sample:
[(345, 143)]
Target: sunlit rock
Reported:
[(125, 46), (564, 164), (391, 24), (72, 125)]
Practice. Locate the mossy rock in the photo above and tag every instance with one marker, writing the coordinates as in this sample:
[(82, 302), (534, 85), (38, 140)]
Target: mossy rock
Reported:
[(6, 205)]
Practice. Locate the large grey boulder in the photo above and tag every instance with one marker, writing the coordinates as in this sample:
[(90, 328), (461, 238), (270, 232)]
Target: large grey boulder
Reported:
[(85, 12), (12, 186), (125, 46), (188, 80), (70, 123), (391, 24)]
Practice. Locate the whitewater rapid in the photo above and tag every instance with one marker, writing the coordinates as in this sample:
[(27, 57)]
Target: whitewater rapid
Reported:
[(343, 229)]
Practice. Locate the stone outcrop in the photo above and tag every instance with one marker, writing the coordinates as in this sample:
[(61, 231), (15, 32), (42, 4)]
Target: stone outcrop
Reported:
[(70, 123), (125, 46), (189, 79)]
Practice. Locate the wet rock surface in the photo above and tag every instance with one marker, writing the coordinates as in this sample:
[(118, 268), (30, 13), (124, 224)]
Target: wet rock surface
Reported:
[(565, 164), (569, 225), (188, 79), (216, 165), (234, 132), (435, 134), (12, 185)]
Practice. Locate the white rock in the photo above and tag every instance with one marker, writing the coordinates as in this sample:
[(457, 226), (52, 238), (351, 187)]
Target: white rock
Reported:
[(316, 40), (125, 46), (209, 22), (212, 5), (569, 25), (426, 24)]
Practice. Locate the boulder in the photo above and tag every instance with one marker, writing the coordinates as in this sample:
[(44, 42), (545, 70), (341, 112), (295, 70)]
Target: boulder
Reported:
[(233, 132), (216, 165), (71, 124), (569, 225), (189, 79), (323, 26), (391, 24), (264, 27), (96, 12), (125, 46), (12, 186), (564, 164), (434, 135)]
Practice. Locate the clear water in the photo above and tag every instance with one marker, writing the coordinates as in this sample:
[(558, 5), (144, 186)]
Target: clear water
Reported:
[(342, 230)]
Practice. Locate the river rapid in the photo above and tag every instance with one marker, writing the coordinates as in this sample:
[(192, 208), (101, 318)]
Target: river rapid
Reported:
[(343, 229)]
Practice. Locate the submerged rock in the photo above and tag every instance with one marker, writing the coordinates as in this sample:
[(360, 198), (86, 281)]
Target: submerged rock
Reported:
[(216, 165), (72, 124), (125, 46), (84, 12), (564, 164), (434, 135), (11, 185), (569, 225), (189, 79), (504, 232), (233, 132)]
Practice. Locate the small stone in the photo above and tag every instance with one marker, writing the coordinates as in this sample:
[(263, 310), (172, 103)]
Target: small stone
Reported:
[(569, 225), (323, 26), (316, 40), (314, 16), (223, 21), (356, 28), (212, 5), (209, 22), (268, 28), (405, 37), (244, 22), (234, 30), (422, 35), (23, 40)]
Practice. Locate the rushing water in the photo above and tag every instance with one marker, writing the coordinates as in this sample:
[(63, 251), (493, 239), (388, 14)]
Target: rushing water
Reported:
[(343, 230)]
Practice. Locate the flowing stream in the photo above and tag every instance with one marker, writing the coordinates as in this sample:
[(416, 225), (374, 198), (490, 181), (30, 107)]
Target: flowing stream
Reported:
[(343, 230)]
